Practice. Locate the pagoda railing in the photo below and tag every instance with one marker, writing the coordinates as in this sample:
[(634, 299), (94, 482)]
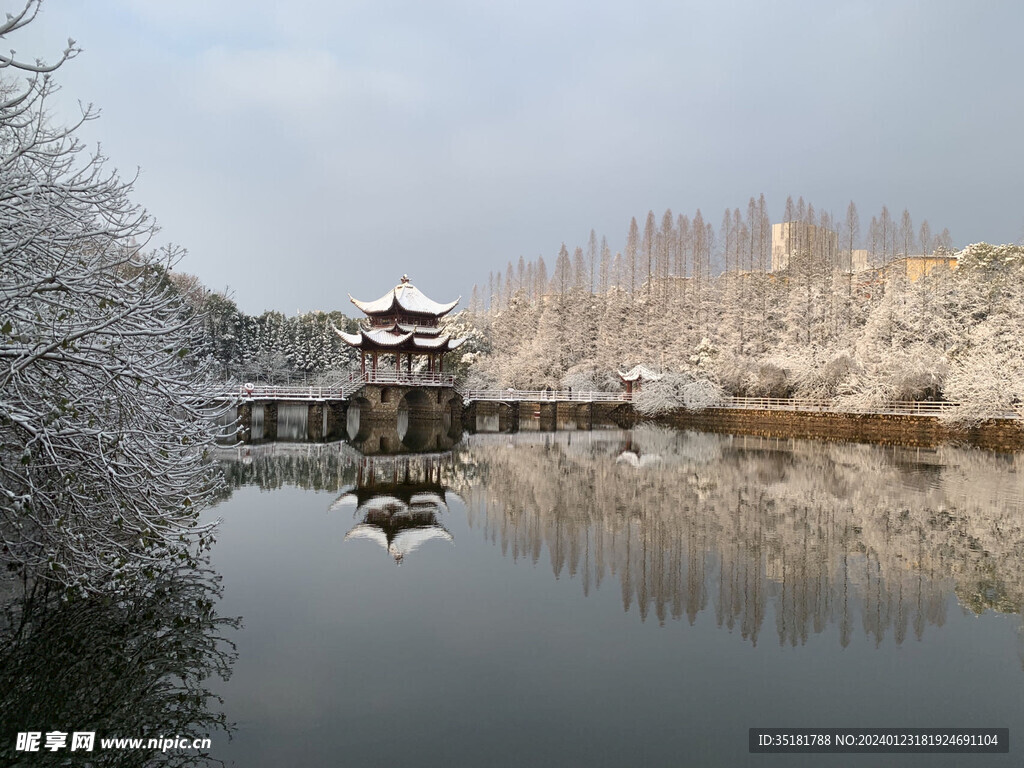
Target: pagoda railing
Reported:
[(409, 378)]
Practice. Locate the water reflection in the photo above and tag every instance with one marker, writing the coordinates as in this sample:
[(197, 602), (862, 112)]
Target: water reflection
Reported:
[(791, 537), (812, 534), (414, 429), (293, 421), (399, 502), (136, 666)]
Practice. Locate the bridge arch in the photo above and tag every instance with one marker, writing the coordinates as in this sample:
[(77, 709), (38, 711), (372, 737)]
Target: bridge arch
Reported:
[(357, 421)]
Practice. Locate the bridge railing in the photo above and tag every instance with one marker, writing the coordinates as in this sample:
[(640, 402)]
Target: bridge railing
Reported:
[(338, 389), (346, 387), (274, 392), (560, 395), (895, 407)]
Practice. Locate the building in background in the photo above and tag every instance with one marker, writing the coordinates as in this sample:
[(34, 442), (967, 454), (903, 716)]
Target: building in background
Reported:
[(792, 240), (912, 268)]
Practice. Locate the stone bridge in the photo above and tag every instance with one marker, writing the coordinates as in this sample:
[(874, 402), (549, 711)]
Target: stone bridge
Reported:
[(391, 412), (402, 411)]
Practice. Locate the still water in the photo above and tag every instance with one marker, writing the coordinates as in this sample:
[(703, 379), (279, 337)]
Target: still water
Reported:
[(616, 598)]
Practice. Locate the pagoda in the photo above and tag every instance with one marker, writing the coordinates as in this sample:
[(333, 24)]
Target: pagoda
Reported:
[(403, 323), (635, 377)]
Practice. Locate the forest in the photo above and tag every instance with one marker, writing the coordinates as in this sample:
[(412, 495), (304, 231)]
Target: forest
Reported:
[(706, 306)]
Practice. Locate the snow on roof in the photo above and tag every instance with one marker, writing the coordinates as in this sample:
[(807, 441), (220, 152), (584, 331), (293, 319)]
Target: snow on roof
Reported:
[(419, 504), (382, 337), (407, 297), (641, 372), (441, 342)]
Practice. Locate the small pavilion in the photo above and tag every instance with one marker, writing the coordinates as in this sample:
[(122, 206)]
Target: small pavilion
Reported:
[(405, 324), (635, 377)]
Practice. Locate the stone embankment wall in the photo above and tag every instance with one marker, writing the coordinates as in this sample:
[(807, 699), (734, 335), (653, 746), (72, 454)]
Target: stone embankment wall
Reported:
[(1000, 435)]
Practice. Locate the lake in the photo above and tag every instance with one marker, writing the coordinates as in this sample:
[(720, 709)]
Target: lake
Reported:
[(613, 597)]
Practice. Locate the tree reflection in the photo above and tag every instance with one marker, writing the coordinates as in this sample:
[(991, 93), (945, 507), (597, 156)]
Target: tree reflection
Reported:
[(809, 533), (134, 665)]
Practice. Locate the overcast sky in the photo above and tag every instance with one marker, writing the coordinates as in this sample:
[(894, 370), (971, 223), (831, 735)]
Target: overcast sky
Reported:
[(303, 150)]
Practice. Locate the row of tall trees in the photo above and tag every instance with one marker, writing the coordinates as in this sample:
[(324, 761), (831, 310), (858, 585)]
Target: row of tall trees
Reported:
[(691, 248), (899, 330)]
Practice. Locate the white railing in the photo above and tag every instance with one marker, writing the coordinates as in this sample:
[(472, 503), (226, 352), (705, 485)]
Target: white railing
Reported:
[(896, 407), (818, 405), (273, 392), (541, 395), (340, 389), (413, 378)]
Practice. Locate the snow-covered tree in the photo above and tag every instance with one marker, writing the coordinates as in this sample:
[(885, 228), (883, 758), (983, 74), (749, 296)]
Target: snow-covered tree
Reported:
[(688, 389), (102, 439)]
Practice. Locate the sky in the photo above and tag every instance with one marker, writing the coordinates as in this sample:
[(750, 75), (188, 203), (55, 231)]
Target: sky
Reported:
[(306, 150)]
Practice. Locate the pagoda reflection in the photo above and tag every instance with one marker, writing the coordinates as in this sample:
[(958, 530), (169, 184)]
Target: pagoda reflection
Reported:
[(399, 502), (636, 456)]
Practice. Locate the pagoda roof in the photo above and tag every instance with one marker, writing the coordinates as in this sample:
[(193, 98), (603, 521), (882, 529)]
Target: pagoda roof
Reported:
[(641, 372), (383, 338), (404, 297)]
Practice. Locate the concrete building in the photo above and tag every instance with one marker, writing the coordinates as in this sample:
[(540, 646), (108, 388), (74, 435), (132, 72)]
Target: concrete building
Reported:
[(859, 260), (795, 239), (912, 268)]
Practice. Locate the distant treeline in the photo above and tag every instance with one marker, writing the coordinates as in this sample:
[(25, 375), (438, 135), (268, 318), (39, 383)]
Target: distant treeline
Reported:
[(268, 347), (816, 328)]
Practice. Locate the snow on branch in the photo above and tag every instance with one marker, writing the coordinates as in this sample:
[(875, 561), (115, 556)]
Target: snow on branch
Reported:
[(102, 438), (674, 391)]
